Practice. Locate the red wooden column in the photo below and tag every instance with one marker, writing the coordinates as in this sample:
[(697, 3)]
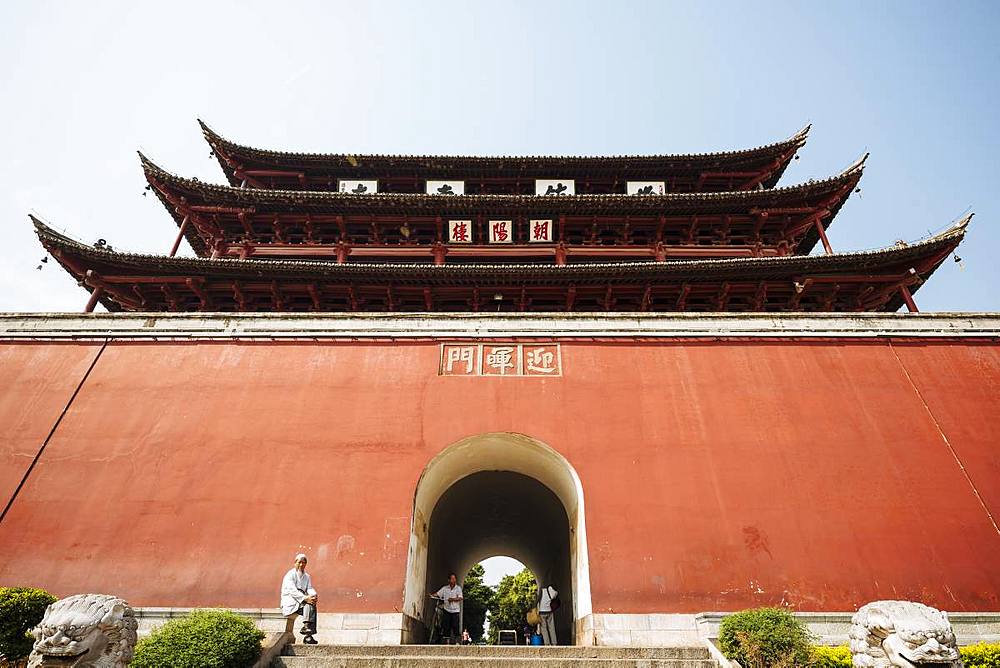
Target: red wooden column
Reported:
[(822, 235), (180, 235), (343, 250), (92, 302), (911, 305), (439, 250)]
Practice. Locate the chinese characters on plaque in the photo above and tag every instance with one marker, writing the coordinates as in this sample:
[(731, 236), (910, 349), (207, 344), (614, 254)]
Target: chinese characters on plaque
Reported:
[(500, 359), (540, 231), (357, 187), (446, 187), (501, 231), (460, 231), (645, 187), (555, 187)]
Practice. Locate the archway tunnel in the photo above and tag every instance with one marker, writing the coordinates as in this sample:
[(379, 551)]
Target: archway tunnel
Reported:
[(528, 505), (503, 513)]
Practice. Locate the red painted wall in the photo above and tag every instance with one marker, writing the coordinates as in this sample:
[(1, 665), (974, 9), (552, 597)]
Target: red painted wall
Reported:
[(717, 475), (36, 383)]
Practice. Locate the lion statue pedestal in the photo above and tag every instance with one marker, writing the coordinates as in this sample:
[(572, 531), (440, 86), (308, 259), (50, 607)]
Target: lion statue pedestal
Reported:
[(85, 631), (903, 634)]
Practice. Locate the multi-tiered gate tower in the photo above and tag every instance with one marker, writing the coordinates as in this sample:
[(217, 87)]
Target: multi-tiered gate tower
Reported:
[(322, 233), (649, 378)]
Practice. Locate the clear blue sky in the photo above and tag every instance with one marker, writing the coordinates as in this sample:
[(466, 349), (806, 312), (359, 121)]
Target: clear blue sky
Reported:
[(86, 84)]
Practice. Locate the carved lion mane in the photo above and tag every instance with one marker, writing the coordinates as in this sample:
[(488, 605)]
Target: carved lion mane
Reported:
[(85, 631), (902, 634)]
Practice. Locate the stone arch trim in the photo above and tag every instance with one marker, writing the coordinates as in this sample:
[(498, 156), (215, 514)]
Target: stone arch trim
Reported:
[(497, 451)]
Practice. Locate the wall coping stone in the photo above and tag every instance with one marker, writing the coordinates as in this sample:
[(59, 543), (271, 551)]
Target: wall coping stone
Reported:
[(566, 326)]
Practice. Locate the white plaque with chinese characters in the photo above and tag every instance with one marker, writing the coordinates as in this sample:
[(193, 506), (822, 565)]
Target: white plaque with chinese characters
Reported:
[(500, 359), (501, 231), (357, 187), (446, 187), (645, 187), (540, 231), (555, 187), (460, 231)]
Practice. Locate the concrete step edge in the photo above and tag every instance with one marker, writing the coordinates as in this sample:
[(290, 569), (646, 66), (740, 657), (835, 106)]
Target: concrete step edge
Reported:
[(484, 662), (493, 651)]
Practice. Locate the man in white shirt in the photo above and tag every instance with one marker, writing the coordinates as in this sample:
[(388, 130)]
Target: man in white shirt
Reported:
[(299, 598), (451, 594), (546, 622)]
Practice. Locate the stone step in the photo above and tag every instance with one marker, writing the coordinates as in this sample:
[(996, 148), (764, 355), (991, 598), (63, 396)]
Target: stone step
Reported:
[(478, 656), (495, 651), (480, 662)]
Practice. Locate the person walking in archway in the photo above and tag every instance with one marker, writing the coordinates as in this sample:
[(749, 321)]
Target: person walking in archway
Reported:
[(451, 595), (548, 603), (299, 598)]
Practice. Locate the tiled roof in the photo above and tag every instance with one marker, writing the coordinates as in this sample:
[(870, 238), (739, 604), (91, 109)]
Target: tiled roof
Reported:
[(458, 206), (447, 274), (586, 204), (528, 166)]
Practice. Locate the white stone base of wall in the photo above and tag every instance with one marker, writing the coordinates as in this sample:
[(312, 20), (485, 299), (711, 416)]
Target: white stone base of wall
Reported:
[(611, 630), (333, 628), (645, 630), (830, 628)]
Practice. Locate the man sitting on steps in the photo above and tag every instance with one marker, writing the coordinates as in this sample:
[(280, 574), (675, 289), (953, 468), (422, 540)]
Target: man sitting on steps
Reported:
[(299, 598)]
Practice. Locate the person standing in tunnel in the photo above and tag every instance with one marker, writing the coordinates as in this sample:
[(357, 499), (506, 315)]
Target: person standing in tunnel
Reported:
[(548, 603), (451, 594)]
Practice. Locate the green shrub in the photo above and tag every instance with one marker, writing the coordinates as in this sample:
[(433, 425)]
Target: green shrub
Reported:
[(981, 655), (830, 657), (202, 639), (765, 638), (20, 609)]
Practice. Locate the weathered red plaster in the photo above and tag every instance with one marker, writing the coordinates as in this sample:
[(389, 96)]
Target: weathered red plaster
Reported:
[(717, 475), (36, 382)]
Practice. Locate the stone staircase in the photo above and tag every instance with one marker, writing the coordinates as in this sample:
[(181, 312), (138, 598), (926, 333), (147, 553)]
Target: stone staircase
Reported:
[(474, 656)]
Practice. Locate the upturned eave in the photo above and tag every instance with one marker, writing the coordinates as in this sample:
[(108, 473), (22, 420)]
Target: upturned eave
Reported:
[(875, 274)]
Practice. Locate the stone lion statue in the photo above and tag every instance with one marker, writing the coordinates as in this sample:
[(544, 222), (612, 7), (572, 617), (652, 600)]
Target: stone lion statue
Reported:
[(902, 634), (85, 631)]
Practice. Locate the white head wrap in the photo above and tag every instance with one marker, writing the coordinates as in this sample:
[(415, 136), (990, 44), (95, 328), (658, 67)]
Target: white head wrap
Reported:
[(301, 556)]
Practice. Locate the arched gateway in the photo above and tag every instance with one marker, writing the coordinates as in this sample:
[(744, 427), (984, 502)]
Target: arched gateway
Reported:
[(498, 493)]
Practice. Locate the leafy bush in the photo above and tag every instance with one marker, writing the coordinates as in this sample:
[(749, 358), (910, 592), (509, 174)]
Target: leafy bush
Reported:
[(20, 609), (765, 638), (830, 657), (981, 655), (201, 639)]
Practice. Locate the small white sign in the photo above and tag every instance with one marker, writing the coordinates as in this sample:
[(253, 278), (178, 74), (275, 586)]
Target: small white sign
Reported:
[(358, 187), (645, 187), (539, 231), (446, 187), (460, 231), (501, 232), (555, 187)]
